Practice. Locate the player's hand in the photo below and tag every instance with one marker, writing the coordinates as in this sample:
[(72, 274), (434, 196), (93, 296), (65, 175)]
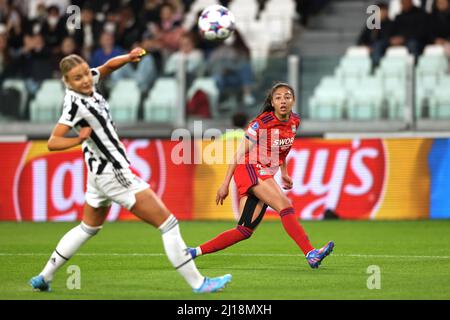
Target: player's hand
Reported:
[(222, 193), (136, 54), (287, 182), (85, 133)]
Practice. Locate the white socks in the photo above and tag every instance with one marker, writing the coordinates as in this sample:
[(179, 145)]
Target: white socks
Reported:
[(66, 248), (176, 252), (173, 245)]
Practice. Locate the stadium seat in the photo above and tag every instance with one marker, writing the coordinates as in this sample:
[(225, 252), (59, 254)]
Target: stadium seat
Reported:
[(395, 102), (354, 66), (434, 50), (259, 45), (422, 101), (278, 17), (124, 101), (259, 55), (47, 105), (397, 52), (208, 85), (357, 51), (10, 104), (244, 9), (439, 101), (18, 85), (280, 28), (365, 100), (425, 86), (394, 67), (161, 103), (432, 64), (328, 100)]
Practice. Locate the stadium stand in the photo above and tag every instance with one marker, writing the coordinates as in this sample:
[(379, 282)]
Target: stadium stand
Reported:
[(47, 105), (338, 79), (124, 101), (160, 105)]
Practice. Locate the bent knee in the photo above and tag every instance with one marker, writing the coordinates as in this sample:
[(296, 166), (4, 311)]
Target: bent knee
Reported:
[(284, 203), (245, 231), (90, 229)]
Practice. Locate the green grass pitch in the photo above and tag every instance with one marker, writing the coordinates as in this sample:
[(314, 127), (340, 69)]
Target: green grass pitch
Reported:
[(126, 261)]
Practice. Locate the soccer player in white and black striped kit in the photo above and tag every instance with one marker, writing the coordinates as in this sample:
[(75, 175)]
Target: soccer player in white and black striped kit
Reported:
[(109, 176)]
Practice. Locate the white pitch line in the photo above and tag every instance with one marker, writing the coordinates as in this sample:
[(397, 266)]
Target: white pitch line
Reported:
[(237, 255)]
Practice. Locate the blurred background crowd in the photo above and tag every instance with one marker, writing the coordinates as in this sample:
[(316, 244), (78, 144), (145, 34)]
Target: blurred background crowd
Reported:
[(35, 35)]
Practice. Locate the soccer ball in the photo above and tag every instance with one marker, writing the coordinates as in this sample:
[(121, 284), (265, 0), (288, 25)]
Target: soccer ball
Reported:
[(216, 23)]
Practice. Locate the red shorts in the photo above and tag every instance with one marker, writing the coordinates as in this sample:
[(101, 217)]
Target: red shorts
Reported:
[(247, 175)]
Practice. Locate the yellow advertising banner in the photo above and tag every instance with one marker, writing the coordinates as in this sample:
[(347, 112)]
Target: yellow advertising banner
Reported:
[(385, 179)]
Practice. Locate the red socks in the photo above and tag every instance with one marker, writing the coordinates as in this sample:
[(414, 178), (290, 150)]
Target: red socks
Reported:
[(232, 236), (226, 239), (295, 230)]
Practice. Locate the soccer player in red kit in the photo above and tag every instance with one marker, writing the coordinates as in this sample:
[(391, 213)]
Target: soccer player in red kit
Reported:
[(263, 151)]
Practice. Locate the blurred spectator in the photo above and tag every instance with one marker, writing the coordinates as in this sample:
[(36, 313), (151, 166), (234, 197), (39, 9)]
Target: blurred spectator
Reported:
[(144, 73), (128, 28), (229, 64), (87, 36), (6, 60), (107, 50), (303, 10), (4, 11), (36, 62), (54, 29), (150, 12), (240, 121), (178, 8), (111, 21), (99, 6), (15, 28), (440, 23), (34, 7), (151, 45), (206, 46), (168, 31), (34, 25), (68, 47), (410, 28), (192, 55), (377, 39)]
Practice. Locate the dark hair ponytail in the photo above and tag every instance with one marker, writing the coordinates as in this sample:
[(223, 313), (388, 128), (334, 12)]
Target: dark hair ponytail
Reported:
[(267, 105)]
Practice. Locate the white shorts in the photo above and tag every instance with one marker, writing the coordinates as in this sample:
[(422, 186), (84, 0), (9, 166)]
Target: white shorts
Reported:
[(108, 187)]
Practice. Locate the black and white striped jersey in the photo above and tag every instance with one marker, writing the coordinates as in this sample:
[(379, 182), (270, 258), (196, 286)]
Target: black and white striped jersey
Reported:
[(103, 151)]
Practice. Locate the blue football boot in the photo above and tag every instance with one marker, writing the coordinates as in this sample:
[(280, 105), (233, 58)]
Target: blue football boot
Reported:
[(39, 283), (315, 257), (213, 284)]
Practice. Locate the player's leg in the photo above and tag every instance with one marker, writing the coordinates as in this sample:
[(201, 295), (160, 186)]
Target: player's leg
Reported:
[(252, 211), (270, 192), (70, 243), (152, 210)]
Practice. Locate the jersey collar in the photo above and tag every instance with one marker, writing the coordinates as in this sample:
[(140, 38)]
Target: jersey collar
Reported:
[(79, 95), (290, 115)]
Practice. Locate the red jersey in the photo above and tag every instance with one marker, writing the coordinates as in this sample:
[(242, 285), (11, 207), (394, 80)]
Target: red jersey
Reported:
[(273, 138)]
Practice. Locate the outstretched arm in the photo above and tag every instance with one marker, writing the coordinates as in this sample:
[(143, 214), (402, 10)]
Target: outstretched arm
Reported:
[(117, 62), (245, 146), (58, 141)]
